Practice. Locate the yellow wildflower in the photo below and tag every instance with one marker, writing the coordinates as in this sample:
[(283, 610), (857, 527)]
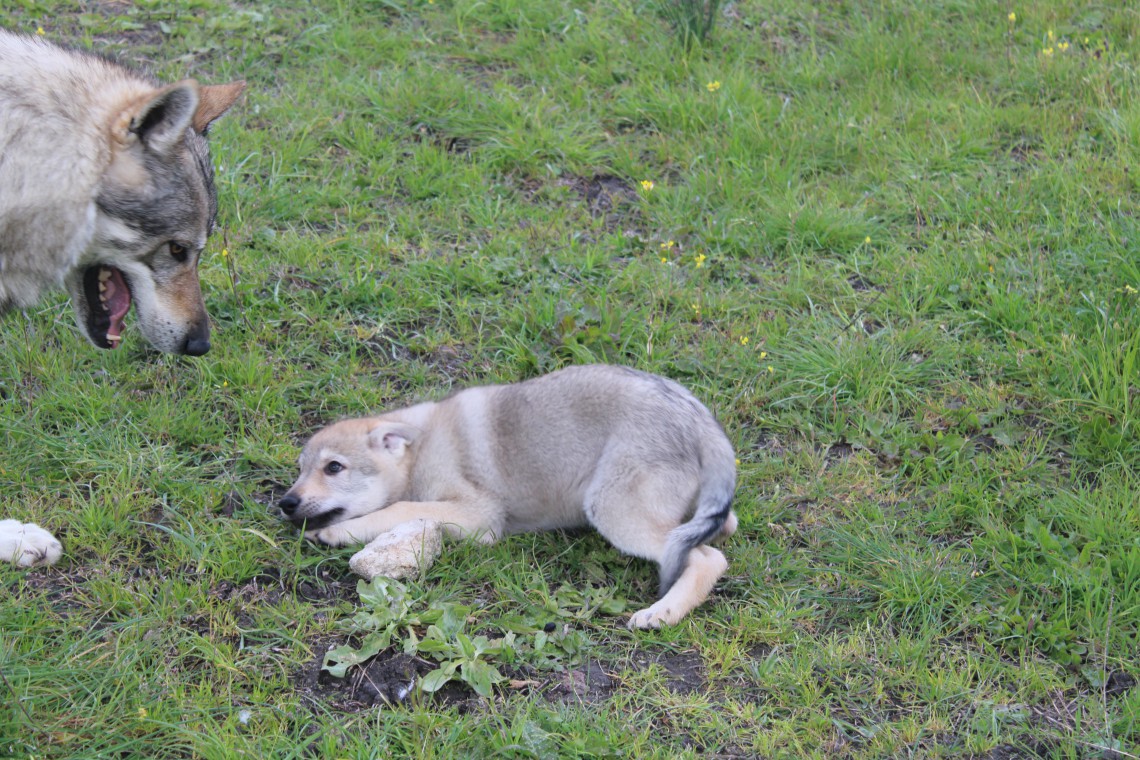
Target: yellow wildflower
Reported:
[(225, 252), (40, 30), (713, 86), (1047, 51), (763, 354), (1051, 35), (647, 184), (142, 712), (668, 244), (1062, 46), (744, 340), (1130, 290), (700, 260), (867, 240), (770, 370), (664, 260), (1012, 17)]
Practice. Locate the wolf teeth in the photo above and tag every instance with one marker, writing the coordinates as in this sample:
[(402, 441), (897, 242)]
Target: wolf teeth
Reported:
[(106, 287)]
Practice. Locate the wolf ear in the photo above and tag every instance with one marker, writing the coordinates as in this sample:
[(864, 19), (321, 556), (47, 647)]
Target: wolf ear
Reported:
[(391, 438), (161, 121), (213, 101)]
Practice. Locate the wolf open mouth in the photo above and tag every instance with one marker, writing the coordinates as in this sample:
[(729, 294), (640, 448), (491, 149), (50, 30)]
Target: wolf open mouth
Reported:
[(108, 301)]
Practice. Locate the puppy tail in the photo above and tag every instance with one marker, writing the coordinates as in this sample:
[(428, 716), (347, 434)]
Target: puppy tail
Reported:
[(714, 507)]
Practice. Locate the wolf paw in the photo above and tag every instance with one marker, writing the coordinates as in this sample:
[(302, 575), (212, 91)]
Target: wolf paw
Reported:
[(28, 544)]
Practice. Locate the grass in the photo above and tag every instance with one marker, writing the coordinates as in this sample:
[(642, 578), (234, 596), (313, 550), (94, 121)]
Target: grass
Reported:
[(892, 245)]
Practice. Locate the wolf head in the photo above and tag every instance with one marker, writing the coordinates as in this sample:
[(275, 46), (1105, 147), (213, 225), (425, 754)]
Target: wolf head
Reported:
[(154, 208)]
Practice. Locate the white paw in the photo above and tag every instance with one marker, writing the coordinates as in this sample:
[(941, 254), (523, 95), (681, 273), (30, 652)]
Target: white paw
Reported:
[(650, 617), (332, 536), (28, 544)]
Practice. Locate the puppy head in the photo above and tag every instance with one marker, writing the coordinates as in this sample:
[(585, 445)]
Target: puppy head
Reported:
[(349, 469)]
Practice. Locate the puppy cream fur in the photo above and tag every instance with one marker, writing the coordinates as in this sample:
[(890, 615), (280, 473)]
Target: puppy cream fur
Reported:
[(634, 455)]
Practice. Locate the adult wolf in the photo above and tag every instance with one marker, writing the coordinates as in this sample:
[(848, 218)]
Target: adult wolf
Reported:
[(106, 188)]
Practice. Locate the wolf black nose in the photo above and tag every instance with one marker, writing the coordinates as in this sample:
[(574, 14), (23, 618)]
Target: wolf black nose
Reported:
[(289, 503), (195, 346)]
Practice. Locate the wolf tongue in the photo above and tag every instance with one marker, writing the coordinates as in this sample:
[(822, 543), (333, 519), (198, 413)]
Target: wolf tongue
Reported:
[(118, 303)]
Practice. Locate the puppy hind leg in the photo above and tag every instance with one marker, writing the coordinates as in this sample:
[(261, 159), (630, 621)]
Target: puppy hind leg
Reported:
[(634, 514), (704, 568)]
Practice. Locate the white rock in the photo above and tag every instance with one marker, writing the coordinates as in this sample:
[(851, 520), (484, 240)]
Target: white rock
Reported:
[(405, 550)]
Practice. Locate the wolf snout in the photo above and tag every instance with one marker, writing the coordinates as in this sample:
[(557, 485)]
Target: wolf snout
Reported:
[(197, 341), (196, 346)]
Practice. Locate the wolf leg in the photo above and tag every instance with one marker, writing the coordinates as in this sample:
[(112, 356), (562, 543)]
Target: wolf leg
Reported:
[(28, 544)]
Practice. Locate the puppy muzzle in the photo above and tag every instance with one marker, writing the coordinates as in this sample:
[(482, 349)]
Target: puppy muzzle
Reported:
[(290, 504)]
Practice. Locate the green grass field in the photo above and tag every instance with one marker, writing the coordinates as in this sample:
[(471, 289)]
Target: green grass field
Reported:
[(893, 245)]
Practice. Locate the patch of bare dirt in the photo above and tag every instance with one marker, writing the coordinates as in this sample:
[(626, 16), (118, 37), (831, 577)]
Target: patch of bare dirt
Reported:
[(605, 197), (839, 450), (859, 284), (684, 671), (587, 683), (602, 192), (425, 132), (389, 678)]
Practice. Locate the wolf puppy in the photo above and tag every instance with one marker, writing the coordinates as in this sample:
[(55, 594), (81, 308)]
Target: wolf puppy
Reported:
[(634, 455), (106, 187)]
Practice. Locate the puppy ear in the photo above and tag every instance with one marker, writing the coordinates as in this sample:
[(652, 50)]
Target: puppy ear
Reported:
[(161, 121), (394, 439), (213, 101)]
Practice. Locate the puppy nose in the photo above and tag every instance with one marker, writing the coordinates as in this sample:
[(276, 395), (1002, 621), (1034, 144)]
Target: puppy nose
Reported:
[(289, 502)]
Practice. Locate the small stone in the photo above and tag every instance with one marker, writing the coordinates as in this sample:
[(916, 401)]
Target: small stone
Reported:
[(406, 550)]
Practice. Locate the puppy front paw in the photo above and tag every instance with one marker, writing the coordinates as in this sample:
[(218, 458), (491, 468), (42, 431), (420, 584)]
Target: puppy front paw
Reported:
[(326, 536), (336, 535)]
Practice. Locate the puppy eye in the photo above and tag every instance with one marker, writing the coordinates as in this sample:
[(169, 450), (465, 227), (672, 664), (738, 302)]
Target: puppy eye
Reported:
[(178, 251), (332, 468)]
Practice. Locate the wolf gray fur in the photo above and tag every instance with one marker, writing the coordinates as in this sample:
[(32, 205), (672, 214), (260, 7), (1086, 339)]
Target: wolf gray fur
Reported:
[(634, 455), (107, 189), (106, 180)]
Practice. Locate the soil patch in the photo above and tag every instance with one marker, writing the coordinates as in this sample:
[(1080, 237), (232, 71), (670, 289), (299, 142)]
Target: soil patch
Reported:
[(389, 678), (684, 671)]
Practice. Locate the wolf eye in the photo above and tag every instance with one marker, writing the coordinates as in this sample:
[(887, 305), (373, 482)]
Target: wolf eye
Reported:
[(178, 252), (332, 468)]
